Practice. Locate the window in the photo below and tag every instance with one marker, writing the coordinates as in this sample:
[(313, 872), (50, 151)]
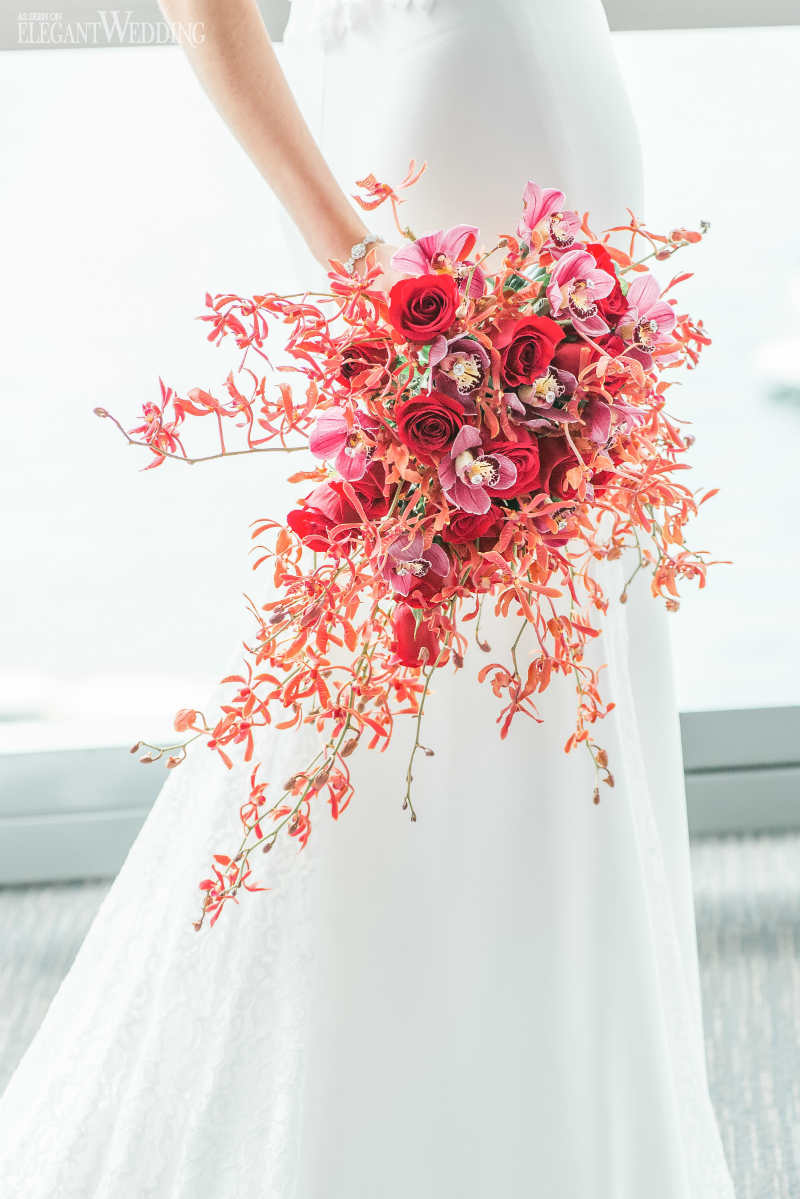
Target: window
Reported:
[(717, 112), (120, 595)]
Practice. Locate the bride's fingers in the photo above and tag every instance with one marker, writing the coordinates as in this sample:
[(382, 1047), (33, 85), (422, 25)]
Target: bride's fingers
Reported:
[(381, 255)]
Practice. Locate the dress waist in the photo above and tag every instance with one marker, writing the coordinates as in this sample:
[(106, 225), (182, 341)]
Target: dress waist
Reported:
[(327, 22)]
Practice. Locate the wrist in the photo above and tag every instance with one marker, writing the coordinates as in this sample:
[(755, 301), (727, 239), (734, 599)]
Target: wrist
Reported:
[(338, 242), (356, 259)]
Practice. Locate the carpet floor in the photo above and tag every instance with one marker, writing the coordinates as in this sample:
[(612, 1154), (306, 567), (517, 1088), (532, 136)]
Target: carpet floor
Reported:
[(747, 895)]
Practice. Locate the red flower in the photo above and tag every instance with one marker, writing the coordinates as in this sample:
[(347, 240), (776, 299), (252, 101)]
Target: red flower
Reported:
[(428, 424), (608, 478), (573, 355), (465, 527), (412, 639), (557, 460), (524, 453), (526, 347), (421, 307), (324, 509), (614, 305), (371, 490), (361, 355)]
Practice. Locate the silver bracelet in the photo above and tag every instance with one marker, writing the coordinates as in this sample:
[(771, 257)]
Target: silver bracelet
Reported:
[(360, 249)]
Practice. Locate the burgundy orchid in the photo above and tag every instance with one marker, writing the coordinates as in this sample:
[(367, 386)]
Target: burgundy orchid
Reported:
[(465, 474), (459, 367), (406, 562)]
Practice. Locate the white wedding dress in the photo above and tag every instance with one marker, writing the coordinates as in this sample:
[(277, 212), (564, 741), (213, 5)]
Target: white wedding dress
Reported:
[(502, 999)]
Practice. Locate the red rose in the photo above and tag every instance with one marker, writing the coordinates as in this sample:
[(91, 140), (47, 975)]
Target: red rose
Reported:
[(465, 527), (362, 355), (570, 355), (573, 356), (614, 305), (371, 490), (411, 639), (420, 308), (524, 453), (428, 424), (424, 589), (324, 509), (557, 460), (526, 347)]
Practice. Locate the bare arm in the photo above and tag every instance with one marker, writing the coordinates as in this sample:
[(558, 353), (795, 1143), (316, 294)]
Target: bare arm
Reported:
[(237, 65)]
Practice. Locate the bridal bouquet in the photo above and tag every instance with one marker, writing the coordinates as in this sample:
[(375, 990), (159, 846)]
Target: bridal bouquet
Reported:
[(483, 434)]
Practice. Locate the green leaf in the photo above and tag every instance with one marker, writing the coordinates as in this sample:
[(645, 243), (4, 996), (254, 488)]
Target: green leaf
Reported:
[(516, 283)]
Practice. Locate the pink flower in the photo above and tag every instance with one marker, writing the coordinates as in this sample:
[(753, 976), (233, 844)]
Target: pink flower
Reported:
[(407, 563), (649, 319), (545, 401), (443, 252), (348, 448), (466, 472), (596, 418), (576, 285), (542, 212), (458, 367)]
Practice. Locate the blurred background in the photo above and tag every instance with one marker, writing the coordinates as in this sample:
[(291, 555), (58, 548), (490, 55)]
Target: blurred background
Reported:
[(124, 199)]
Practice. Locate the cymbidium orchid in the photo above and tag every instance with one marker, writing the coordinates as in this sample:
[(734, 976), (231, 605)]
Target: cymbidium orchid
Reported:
[(459, 367), (576, 284), (407, 563), (466, 473), (348, 444), (649, 319), (544, 402), (444, 252), (544, 216)]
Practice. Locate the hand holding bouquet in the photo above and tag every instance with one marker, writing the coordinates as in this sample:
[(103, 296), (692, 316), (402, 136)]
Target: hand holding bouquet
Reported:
[(484, 434)]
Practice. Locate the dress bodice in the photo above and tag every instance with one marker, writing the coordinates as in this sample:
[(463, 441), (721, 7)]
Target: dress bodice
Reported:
[(327, 21)]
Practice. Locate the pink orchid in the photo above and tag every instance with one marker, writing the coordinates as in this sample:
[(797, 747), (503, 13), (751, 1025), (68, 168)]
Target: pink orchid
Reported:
[(649, 319), (466, 472), (576, 284), (458, 367), (544, 402), (348, 446), (596, 418), (600, 417), (542, 212), (406, 563), (443, 252), (627, 416)]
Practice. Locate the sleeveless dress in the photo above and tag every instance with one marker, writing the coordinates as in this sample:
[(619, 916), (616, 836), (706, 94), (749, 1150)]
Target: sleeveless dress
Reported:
[(502, 999)]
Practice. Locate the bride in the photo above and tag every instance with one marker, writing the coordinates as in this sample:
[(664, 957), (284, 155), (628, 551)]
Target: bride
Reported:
[(461, 1007)]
